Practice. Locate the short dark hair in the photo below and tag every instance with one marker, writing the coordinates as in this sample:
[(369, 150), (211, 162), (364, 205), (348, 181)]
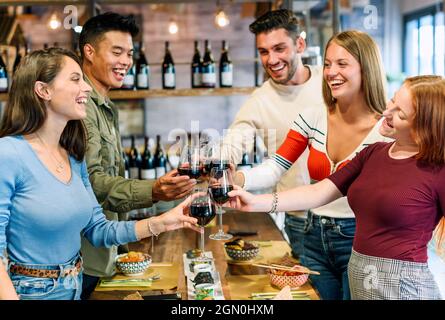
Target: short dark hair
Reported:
[(277, 19), (97, 26)]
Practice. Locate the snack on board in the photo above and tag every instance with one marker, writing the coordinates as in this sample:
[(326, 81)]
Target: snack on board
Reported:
[(133, 263), (203, 277), (241, 250)]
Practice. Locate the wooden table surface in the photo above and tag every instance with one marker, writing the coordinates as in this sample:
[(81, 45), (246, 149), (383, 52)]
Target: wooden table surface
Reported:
[(170, 246)]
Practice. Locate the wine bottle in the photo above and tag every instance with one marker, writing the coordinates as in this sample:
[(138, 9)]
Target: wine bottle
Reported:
[(18, 58), (126, 164), (142, 70), (245, 163), (160, 159), (4, 80), (168, 69), (256, 157), (134, 160), (208, 68), (196, 68), (148, 170), (225, 67), (128, 83)]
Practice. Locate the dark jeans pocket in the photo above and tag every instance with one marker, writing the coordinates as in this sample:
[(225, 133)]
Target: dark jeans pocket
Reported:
[(346, 229)]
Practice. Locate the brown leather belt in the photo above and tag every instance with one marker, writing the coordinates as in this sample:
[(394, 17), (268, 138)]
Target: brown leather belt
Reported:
[(45, 273)]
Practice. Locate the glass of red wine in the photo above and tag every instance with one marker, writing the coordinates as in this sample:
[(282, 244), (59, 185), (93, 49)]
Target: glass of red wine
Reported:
[(190, 162), (220, 184), (202, 208)]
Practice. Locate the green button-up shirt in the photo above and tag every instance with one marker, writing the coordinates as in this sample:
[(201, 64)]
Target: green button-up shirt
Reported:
[(106, 168)]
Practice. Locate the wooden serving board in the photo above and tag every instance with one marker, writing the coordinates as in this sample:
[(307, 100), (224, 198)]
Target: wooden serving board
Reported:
[(168, 281)]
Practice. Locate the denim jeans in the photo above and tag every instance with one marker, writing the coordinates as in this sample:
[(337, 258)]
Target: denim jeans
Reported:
[(294, 227), (63, 288), (327, 248)]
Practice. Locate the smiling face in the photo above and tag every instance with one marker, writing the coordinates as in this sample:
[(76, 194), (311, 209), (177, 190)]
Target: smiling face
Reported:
[(342, 72), (399, 115), (68, 92), (110, 59), (279, 54)]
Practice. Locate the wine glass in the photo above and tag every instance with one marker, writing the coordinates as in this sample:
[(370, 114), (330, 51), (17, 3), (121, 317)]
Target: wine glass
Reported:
[(215, 156), (220, 184), (190, 162), (203, 209)]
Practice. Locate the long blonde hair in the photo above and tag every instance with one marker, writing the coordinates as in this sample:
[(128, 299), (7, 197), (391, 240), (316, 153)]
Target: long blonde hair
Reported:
[(364, 49)]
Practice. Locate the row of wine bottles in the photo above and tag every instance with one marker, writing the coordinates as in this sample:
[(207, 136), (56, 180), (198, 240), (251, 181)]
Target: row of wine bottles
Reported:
[(145, 165), (203, 69)]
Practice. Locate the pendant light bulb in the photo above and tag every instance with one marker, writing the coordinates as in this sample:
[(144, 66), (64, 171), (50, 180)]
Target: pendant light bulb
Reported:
[(221, 19)]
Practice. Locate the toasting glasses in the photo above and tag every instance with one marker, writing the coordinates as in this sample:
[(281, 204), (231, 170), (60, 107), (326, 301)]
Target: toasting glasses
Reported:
[(220, 184), (203, 209), (190, 162)]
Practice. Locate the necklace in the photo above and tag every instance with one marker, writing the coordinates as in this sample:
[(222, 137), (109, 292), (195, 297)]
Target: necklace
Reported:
[(59, 164)]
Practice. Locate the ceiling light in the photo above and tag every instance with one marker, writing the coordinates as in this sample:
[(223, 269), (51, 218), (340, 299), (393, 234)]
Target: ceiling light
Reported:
[(173, 27), (221, 18), (54, 22)]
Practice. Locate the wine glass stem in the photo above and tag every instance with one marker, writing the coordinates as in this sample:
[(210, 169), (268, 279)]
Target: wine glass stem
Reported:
[(220, 219), (202, 240)]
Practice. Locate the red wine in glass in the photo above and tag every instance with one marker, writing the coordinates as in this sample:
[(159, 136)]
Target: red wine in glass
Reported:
[(220, 193), (193, 173), (203, 211)]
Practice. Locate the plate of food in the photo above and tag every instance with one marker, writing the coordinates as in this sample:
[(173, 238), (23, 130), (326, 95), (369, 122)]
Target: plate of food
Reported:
[(240, 250), (133, 263)]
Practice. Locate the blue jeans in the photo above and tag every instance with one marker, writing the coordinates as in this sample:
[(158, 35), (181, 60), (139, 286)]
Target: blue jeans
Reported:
[(327, 248), (294, 227), (63, 288)]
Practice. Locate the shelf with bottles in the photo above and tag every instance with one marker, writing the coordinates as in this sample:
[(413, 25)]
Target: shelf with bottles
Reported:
[(187, 92)]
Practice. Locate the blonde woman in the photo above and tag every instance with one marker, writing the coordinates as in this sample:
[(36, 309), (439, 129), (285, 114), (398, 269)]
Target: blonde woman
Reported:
[(353, 91), (396, 191)]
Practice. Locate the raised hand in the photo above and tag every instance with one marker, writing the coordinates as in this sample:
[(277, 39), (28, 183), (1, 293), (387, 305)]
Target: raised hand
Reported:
[(172, 186)]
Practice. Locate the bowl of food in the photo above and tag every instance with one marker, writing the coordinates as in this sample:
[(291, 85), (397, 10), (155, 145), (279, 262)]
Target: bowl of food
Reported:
[(282, 278), (133, 263), (241, 250)]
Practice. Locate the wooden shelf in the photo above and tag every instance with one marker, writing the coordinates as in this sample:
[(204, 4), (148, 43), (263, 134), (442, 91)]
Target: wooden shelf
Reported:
[(161, 93)]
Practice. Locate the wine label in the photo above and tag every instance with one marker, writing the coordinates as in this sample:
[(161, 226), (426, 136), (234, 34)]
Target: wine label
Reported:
[(3, 83), (226, 78), (197, 78), (209, 78), (134, 173), (128, 80), (160, 171), (148, 174), (169, 79), (142, 80)]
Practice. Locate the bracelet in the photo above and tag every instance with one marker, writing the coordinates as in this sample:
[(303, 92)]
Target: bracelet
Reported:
[(274, 203), (151, 230)]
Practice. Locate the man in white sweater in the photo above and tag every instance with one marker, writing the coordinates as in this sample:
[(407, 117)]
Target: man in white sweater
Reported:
[(271, 109)]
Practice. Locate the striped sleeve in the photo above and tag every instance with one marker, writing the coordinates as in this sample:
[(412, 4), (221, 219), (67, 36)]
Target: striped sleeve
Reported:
[(296, 142)]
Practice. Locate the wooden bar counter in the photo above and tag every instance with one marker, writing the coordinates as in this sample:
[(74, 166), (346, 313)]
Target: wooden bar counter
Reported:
[(170, 247)]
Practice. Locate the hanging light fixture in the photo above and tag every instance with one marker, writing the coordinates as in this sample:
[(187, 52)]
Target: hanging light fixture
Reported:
[(221, 18), (54, 22), (173, 26)]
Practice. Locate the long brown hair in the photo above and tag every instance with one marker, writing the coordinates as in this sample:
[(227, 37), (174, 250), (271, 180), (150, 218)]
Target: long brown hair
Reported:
[(428, 98), (25, 112), (364, 49)]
